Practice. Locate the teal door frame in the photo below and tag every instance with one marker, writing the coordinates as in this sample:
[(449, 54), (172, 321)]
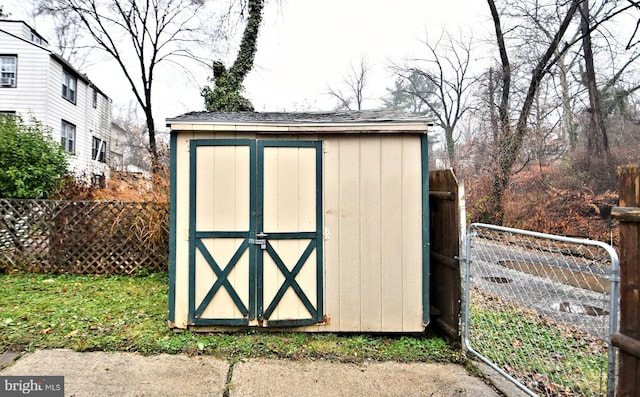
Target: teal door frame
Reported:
[(257, 245)]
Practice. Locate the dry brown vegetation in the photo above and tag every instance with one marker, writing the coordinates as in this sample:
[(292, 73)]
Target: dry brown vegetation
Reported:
[(554, 199), (122, 186), (126, 221), (555, 187)]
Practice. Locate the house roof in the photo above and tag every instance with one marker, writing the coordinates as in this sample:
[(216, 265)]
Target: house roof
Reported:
[(27, 25), (53, 55), (279, 122)]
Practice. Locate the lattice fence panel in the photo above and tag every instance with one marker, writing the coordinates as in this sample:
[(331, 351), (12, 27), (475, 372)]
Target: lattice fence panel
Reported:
[(83, 237)]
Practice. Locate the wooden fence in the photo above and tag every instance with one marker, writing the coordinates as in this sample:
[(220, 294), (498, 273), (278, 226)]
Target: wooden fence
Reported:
[(628, 339), (445, 198), (83, 237)]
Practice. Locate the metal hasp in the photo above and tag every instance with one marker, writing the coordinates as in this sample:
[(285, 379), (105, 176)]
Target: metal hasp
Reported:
[(261, 240)]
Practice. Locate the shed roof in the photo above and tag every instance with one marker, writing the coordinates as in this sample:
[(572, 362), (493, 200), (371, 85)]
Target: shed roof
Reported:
[(282, 122)]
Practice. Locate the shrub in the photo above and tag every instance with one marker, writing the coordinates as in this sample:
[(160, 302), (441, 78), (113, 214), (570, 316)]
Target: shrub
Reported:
[(32, 164)]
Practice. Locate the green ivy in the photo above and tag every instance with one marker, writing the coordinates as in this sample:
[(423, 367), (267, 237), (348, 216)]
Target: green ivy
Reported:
[(225, 96), (32, 164)]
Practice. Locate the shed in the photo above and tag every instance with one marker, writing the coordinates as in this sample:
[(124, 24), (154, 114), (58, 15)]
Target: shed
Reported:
[(316, 221)]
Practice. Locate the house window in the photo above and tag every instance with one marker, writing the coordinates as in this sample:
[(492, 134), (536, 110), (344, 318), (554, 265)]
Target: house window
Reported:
[(95, 98), (69, 84), (68, 137), (99, 150), (35, 38), (99, 181), (8, 69)]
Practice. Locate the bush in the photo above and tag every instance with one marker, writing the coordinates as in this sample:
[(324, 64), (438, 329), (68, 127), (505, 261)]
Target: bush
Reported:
[(32, 164)]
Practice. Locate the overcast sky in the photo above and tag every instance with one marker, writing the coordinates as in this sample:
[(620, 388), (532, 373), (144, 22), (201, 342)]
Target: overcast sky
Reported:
[(305, 46), (311, 44)]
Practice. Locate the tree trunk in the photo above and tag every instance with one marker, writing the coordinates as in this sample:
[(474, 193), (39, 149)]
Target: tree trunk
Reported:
[(494, 212), (451, 145), (153, 147), (568, 129), (597, 143), (493, 117)]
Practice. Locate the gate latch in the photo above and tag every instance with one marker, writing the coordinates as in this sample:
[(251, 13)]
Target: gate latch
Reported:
[(261, 240)]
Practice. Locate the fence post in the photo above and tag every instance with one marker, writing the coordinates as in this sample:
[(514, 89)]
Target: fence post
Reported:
[(628, 339)]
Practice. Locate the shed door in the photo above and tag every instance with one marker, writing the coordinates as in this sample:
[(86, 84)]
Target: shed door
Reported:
[(255, 233)]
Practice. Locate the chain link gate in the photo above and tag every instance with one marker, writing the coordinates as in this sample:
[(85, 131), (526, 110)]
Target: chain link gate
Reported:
[(540, 309)]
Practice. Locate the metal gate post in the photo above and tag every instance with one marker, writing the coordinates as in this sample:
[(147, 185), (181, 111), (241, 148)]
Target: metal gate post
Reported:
[(466, 343)]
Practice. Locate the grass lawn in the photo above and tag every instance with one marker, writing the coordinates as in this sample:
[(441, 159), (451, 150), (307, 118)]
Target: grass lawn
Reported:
[(555, 359), (120, 313)]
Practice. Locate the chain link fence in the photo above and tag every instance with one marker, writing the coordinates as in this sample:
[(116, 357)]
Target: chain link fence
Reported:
[(540, 309), (83, 237)]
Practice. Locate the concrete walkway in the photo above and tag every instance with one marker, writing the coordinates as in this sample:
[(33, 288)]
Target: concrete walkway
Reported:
[(129, 374)]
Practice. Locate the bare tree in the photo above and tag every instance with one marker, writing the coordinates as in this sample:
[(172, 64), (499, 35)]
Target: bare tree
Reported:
[(352, 98), (615, 93), (66, 34), (511, 136), (568, 127), (541, 54), (150, 32), (448, 82), (633, 39)]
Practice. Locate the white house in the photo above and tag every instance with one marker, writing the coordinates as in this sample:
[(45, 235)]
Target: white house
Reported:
[(36, 82)]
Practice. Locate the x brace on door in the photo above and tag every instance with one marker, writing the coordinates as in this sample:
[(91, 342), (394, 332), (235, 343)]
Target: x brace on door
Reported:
[(290, 281), (222, 280)]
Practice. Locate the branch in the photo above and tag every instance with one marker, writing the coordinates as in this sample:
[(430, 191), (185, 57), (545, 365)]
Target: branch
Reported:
[(543, 66)]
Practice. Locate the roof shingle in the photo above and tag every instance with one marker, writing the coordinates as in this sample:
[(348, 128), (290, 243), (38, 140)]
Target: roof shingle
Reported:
[(373, 116)]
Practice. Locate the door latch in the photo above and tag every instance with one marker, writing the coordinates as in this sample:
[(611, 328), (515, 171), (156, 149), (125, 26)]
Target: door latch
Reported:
[(261, 240)]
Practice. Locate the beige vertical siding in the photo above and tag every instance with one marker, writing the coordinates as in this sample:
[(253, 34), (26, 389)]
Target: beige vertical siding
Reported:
[(392, 287), (222, 186), (411, 233), (222, 204), (373, 221), (289, 189), (289, 206)]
